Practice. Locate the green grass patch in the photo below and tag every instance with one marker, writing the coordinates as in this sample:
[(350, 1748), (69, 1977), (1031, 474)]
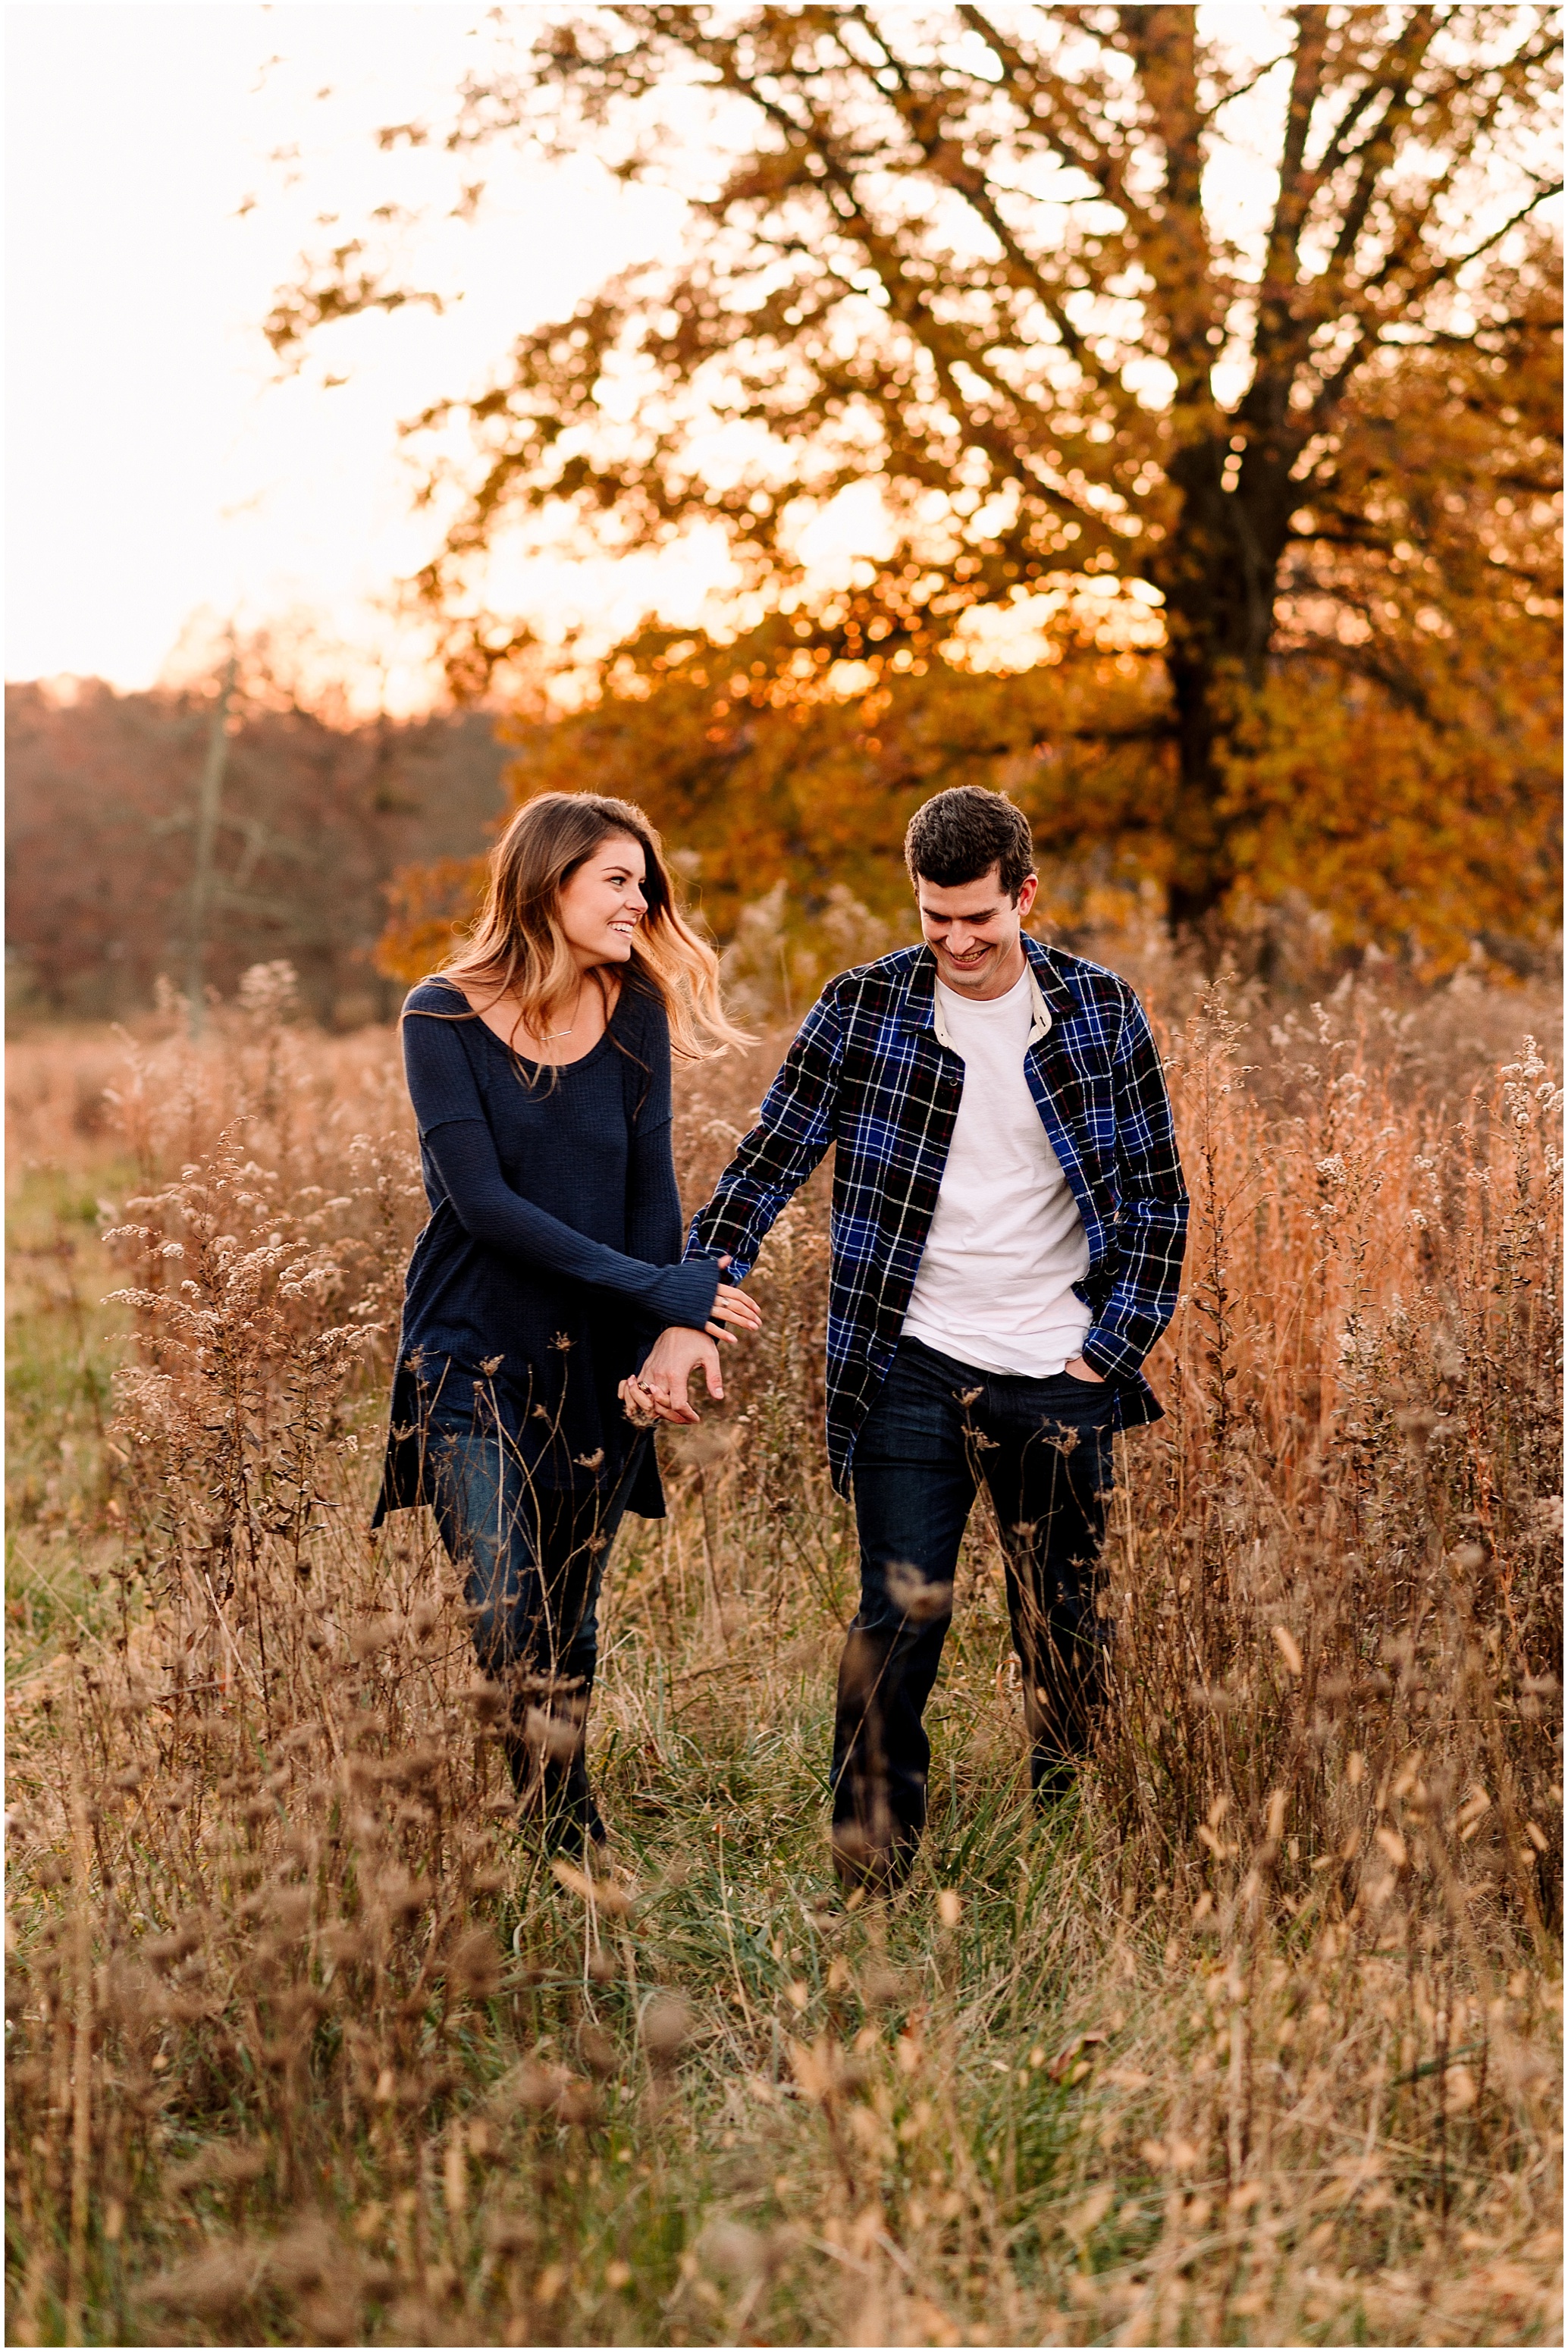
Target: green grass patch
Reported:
[(63, 1346)]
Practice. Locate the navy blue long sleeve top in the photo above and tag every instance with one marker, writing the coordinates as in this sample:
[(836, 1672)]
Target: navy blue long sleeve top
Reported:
[(550, 1260)]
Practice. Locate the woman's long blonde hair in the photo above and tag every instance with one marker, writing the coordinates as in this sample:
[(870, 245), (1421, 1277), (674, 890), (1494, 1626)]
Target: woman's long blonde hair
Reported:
[(517, 948)]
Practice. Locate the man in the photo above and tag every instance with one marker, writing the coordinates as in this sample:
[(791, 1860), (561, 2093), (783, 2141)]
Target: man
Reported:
[(1008, 1225)]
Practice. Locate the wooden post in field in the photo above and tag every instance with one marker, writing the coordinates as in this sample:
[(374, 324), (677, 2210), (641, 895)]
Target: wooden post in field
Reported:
[(209, 805)]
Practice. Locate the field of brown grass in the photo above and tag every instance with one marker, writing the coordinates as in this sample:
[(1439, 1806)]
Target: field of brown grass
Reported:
[(1255, 2042)]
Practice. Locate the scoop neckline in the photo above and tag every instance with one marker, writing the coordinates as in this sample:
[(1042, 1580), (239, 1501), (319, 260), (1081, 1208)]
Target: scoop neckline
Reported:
[(561, 1069)]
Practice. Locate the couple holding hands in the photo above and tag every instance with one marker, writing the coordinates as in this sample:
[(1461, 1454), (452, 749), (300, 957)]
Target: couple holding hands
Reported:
[(1008, 1224)]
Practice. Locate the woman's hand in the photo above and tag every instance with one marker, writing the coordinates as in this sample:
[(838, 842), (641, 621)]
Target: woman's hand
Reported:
[(732, 1306)]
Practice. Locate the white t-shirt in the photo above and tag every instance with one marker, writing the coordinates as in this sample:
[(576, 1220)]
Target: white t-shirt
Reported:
[(1006, 1243)]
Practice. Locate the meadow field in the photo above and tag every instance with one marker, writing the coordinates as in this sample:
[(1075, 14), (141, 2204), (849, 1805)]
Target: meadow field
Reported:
[(1254, 2040)]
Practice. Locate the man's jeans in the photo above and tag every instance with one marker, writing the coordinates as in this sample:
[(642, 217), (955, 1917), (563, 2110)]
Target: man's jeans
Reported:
[(1044, 1449)]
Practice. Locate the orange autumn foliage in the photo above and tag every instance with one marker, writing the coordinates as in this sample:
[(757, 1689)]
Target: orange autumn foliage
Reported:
[(1395, 766), (1410, 830), (980, 263)]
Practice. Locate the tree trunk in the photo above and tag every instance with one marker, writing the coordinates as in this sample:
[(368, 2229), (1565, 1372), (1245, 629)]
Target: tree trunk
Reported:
[(1218, 574), (209, 801)]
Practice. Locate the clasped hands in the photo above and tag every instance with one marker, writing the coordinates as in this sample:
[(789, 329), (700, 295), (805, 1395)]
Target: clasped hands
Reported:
[(659, 1392)]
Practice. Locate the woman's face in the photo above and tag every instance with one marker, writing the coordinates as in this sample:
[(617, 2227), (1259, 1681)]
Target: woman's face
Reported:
[(602, 903)]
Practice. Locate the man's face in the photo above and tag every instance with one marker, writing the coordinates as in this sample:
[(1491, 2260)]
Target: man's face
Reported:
[(973, 931)]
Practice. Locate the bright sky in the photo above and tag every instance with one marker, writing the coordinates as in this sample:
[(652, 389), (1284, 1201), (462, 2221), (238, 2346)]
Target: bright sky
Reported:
[(161, 478), (166, 165)]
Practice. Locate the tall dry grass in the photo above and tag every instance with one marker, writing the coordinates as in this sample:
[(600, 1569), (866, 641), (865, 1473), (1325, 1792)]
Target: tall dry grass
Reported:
[(1254, 2042)]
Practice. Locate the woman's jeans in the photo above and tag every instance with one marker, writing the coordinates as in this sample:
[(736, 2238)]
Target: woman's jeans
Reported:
[(533, 1558), (1044, 1450)]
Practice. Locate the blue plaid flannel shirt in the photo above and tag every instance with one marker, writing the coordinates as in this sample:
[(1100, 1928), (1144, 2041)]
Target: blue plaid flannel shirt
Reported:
[(868, 1074)]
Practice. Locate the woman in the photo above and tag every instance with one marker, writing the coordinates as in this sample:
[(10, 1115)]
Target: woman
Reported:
[(538, 1061)]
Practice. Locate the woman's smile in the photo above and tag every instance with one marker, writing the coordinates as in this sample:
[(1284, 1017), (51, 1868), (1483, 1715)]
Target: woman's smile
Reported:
[(602, 904)]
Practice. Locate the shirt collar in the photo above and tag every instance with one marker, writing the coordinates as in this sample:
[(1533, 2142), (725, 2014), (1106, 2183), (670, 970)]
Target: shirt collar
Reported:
[(923, 1006)]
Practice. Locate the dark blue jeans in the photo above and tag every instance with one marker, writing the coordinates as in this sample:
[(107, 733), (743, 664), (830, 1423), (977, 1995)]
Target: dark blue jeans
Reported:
[(1044, 1450), (533, 1558)]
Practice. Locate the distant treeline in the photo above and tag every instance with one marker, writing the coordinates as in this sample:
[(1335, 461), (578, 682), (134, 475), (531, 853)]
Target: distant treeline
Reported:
[(315, 820)]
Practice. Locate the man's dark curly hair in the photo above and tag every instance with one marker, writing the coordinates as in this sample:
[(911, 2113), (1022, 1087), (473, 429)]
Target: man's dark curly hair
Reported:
[(962, 833)]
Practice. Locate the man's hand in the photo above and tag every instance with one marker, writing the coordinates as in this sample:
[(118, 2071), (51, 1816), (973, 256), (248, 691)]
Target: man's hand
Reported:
[(659, 1392), (1082, 1370)]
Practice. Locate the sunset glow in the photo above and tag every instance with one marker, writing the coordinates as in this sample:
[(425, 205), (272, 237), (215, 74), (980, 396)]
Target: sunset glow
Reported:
[(166, 167)]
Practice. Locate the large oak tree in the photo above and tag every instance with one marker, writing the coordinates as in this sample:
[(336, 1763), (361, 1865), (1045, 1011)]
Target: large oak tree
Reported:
[(1085, 290)]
